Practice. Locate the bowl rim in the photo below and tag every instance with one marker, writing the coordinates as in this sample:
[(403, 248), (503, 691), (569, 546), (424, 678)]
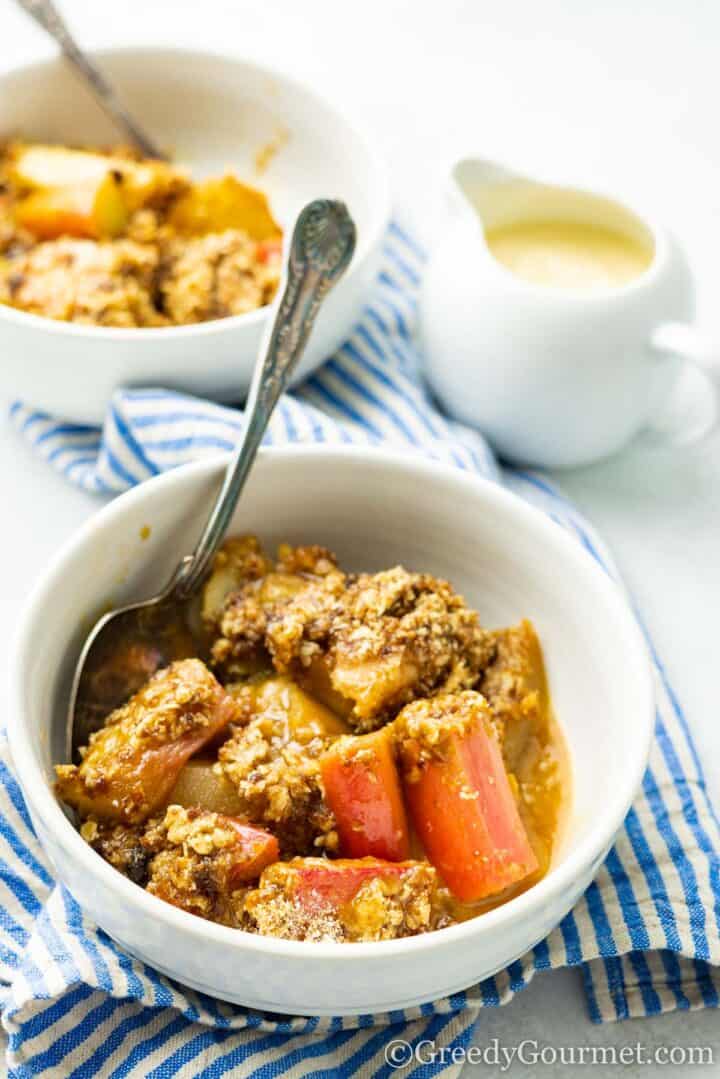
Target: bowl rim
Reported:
[(530, 904), (367, 244)]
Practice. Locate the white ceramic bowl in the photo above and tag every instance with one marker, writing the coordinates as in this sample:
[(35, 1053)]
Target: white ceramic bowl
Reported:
[(215, 113), (374, 509)]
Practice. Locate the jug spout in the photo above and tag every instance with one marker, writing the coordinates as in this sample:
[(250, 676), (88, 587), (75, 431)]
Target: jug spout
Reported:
[(482, 187), (473, 174)]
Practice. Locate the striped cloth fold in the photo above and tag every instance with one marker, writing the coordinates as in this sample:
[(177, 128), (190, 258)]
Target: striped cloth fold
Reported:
[(646, 934)]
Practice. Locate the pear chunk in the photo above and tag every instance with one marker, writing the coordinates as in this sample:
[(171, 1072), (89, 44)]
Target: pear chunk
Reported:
[(217, 205), (95, 210)]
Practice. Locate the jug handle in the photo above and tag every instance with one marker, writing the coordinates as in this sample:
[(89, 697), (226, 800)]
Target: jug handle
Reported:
[(693, 345), (687, 345)]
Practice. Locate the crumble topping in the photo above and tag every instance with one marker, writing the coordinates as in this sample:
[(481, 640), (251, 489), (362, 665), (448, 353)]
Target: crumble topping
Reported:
[(213, 276), (424, 729), (393, 901), (511, 683), (100, 284), (300, 574), (276, 774), (132, 762), (386, 639), (210, 795)]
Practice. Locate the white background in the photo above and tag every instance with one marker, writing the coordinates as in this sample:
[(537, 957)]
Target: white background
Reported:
[(623, 95)]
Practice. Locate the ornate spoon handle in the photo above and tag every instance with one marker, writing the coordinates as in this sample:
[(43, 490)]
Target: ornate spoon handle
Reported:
[(321, 247), (47, 15)]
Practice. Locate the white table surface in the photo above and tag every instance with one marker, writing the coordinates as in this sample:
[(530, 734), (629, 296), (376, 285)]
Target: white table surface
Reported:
[(623, 96)]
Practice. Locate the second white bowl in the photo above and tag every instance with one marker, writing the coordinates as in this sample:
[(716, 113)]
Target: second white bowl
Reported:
[(214, 113)]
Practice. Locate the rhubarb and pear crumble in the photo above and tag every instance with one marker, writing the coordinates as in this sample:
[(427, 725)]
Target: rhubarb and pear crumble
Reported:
[(338, 756), (108, 238)]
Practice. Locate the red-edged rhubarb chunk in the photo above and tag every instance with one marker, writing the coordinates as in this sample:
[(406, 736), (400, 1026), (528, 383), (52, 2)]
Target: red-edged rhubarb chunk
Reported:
[(459, 796), (130, 766), (254, 850), (205, 858), (321, 882), (268, 250), (345, 899), (362, 788)]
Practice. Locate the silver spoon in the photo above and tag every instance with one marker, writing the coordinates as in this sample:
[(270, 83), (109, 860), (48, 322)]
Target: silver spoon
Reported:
[(321, 247), (47, 15)]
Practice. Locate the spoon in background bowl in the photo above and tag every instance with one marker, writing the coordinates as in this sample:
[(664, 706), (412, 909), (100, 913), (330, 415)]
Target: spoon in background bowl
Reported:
[(47, 15), (126, 646)]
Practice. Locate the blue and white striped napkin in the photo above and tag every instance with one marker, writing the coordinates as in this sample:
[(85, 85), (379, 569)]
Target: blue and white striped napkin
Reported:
[(646, 934)]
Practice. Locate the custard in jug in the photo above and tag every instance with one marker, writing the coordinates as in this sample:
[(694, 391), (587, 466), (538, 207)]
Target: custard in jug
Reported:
[(569, 254)]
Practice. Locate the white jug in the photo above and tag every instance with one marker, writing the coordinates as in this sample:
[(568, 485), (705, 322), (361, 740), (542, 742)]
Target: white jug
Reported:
[(553, 377)]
